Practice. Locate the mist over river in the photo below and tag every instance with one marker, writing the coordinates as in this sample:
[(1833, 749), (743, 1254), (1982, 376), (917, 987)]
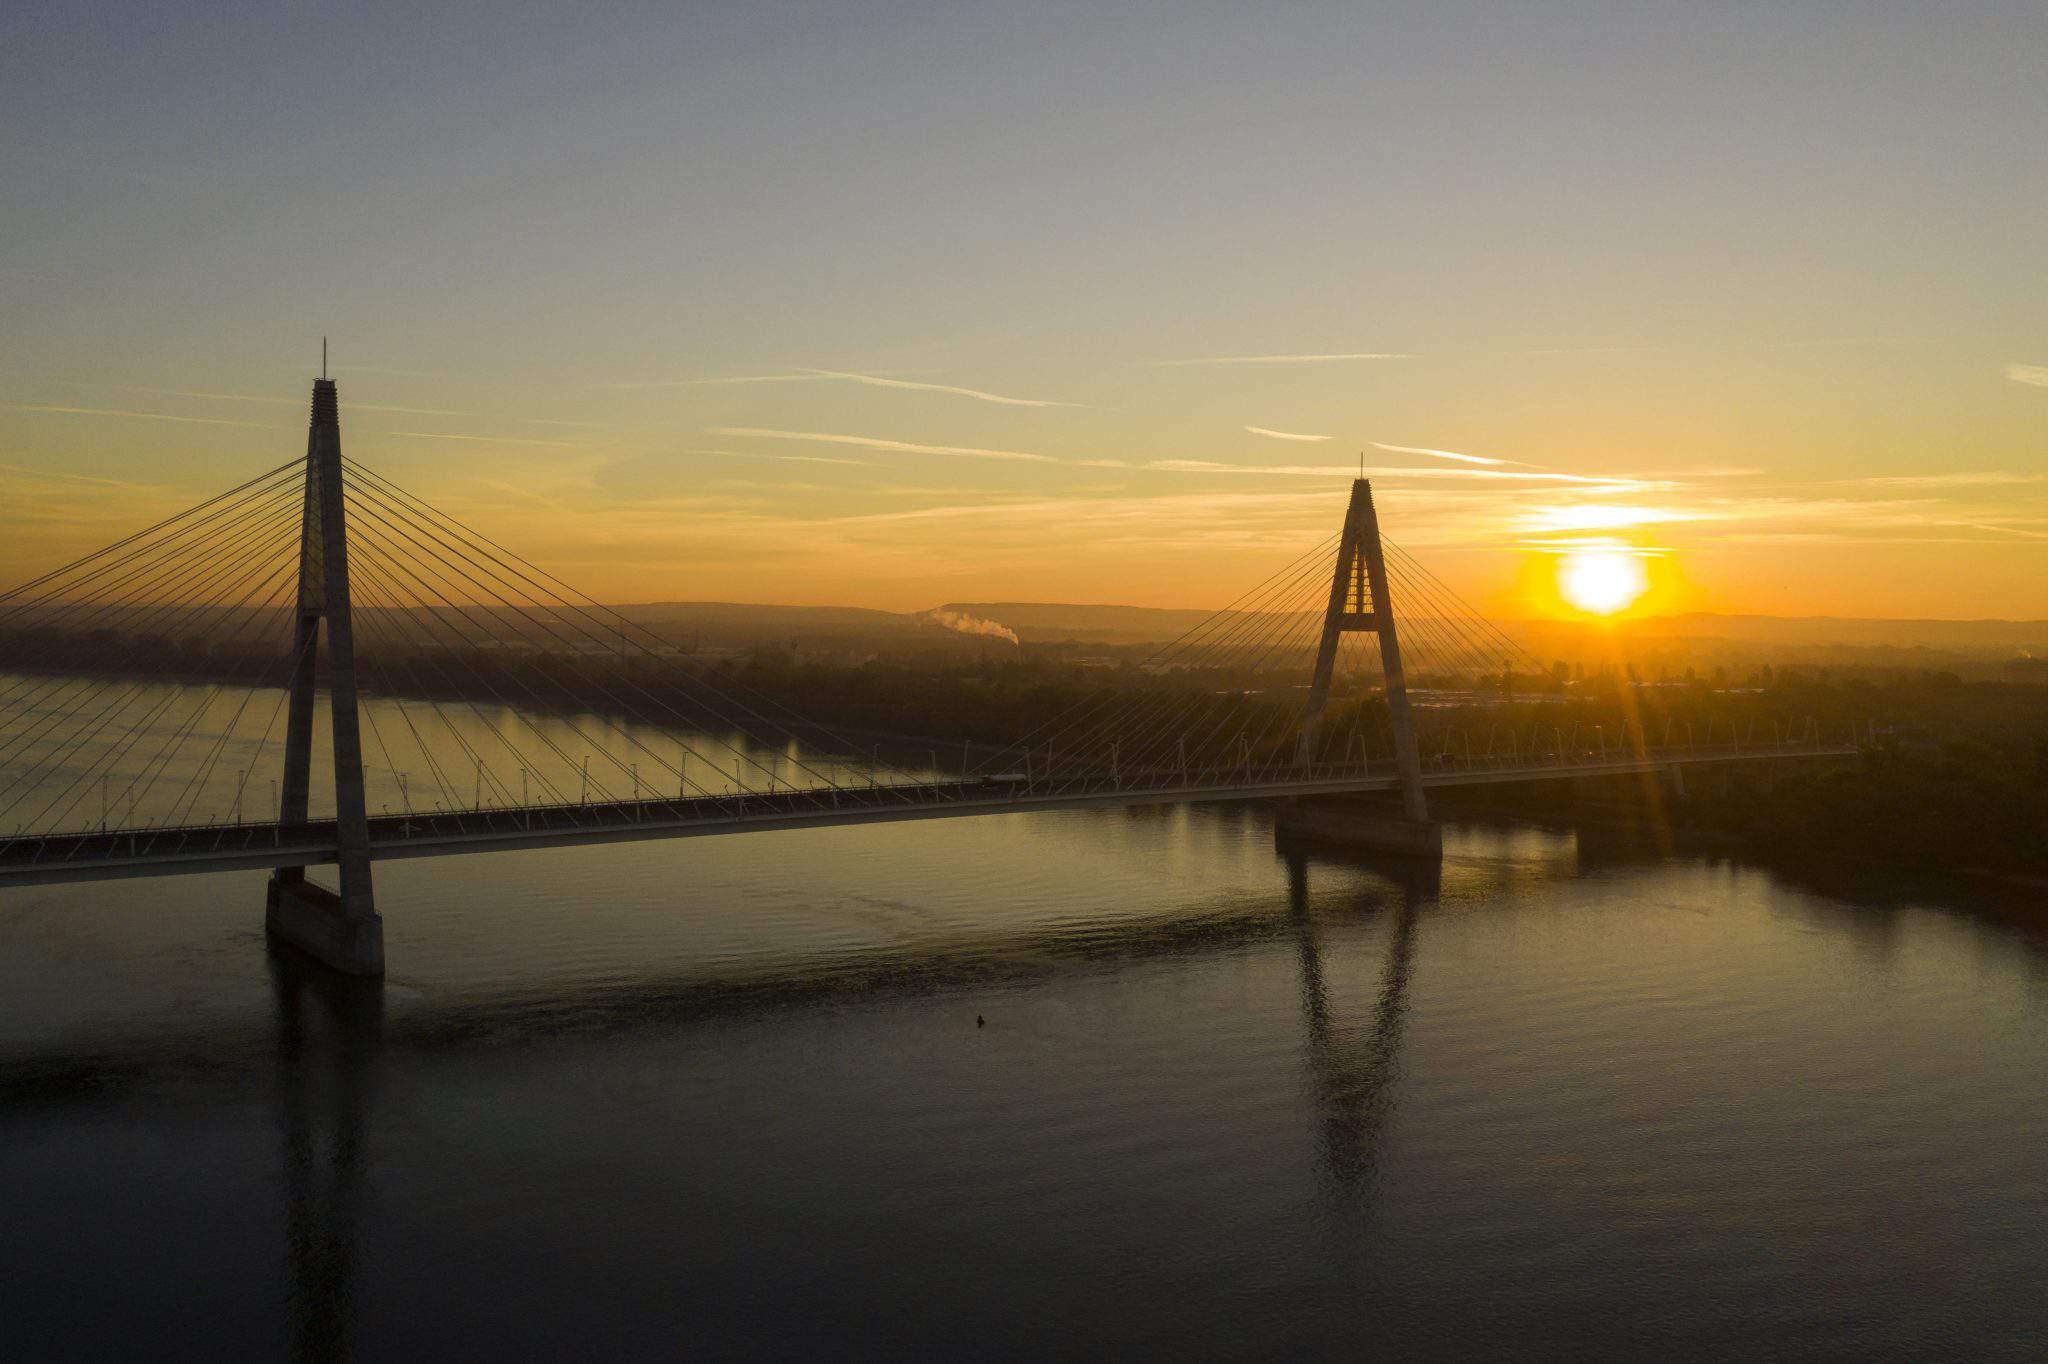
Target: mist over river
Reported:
[(728, 1096)]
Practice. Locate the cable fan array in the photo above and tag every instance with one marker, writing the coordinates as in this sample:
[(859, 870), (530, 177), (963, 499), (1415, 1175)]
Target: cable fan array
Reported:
[(499, 685), (104, 722), (1225, 700), (146, 683), (149, 682)]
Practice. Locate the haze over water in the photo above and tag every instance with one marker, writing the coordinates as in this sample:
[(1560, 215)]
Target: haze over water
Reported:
[(729, 1095)]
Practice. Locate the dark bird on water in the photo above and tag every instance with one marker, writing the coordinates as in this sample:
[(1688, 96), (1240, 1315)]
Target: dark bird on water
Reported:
[(980, 1022)]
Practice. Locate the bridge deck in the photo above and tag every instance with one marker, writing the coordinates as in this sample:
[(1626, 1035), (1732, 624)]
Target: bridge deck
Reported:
[(118, 853)]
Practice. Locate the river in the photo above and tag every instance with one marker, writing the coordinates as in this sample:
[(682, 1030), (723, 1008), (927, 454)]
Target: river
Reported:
[(1033, 1085)]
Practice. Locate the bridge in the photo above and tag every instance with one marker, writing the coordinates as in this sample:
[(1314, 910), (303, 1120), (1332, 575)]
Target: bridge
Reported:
[(137, 675)]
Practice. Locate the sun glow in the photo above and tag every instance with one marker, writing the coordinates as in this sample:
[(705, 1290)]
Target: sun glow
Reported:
[(1601, 581)]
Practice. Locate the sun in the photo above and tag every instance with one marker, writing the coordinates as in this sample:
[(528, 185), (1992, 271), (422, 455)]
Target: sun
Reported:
[(1601, 582)]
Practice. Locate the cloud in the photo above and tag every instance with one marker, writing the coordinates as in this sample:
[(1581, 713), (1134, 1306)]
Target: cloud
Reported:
[(1585, 517), (408, 411), (847, 376), (1956, 480), (1447, 454), (140, 416), (1201, 466), (2036, 375), (1830, 342), (1283, 435), (482, 440), (210, 397), (793, 459), (1594, 350), (804, 376), (204, 395), (1287, 359), (121, 483), (2003, 530), (876, 443), (877, 381), (385, 369), (523, 495), (284, 402)]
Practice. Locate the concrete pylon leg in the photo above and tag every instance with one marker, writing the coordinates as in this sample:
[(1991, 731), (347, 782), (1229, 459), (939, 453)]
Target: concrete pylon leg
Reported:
[(340, 928)]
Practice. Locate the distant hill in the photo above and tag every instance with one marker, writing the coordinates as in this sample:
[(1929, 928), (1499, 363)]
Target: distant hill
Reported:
[(743, 618), (1051, 622), (1709, 635), (1878, 633)]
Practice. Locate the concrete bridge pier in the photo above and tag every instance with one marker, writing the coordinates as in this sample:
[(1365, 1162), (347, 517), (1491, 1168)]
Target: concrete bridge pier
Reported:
[(1675, 777), (1360, 822), (315, 920)]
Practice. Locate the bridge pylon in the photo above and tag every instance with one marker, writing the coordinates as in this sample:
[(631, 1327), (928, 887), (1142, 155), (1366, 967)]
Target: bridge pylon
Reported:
[(1361, 602), (341, 928)]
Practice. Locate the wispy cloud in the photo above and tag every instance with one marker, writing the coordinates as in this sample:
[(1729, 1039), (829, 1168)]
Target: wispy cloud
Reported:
[(1832, 342), (2005, 530), (798, 377), (1199, 466), (1594, 350), (1955, 480), (481, 440), (1445, 454), (792, 459), (1283, 435), (384, 369), (878, 381), (526, 495), (1596, 516), (845, 376), (407, 411), (200, 394), (139, 416), (121, 483), (2036, 375), (877, 443), (1288, 359), (205, 395)]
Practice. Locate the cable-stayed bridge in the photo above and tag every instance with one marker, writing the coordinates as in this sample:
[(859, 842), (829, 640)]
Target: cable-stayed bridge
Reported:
[(166, 706)]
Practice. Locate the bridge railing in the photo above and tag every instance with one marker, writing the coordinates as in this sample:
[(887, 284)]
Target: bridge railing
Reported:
[(1036, 781)]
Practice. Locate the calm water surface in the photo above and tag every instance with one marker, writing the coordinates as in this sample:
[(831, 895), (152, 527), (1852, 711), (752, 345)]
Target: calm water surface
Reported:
[(728, 1096)]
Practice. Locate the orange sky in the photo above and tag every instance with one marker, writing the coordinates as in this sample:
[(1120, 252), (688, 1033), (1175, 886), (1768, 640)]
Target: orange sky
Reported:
[(798, 307)]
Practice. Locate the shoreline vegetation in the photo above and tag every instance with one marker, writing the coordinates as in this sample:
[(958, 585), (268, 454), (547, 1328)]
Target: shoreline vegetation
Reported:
[(1951, 774)]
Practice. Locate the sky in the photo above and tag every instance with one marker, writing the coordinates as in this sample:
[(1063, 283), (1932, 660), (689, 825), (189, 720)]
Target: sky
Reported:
[(893, 305)]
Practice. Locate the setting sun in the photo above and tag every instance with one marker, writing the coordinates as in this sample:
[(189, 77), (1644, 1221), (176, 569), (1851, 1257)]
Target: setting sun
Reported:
[(1601, 581)]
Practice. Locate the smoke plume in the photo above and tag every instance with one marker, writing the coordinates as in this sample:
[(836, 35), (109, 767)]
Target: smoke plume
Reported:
[(962, 623)]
